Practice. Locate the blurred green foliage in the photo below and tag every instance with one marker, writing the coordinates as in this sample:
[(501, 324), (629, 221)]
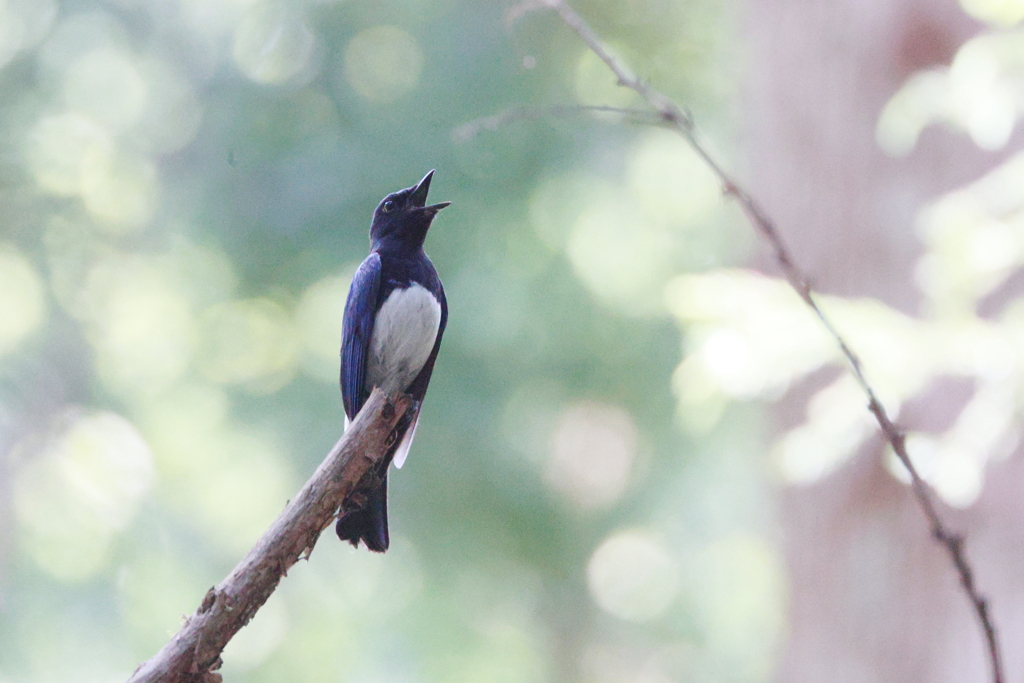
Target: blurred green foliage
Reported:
[(185, 189)]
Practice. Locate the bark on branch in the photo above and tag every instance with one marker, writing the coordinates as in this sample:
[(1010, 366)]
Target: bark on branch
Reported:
[(193, 654)]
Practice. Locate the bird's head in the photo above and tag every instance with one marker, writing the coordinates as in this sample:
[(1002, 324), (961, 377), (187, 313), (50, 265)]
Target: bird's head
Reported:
[(403, 218)]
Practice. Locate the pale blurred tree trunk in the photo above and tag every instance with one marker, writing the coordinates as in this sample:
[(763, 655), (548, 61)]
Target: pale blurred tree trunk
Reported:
[(873, 598)]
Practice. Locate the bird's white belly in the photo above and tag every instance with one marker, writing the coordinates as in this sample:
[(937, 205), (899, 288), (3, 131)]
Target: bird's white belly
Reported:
[(403, 336)]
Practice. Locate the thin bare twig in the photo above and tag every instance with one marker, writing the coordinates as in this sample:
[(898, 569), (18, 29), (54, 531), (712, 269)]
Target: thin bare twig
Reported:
[(470, 130), (681, 121), (193, 655)]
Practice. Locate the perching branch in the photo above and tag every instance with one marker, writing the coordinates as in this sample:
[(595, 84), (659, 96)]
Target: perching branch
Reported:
[(193, 654), (681, 121)]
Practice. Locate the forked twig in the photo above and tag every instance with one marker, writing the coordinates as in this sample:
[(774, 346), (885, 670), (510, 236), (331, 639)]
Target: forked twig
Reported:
[(682, 122)]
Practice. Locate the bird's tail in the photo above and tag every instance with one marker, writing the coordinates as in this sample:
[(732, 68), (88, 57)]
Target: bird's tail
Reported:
[(368, 524)]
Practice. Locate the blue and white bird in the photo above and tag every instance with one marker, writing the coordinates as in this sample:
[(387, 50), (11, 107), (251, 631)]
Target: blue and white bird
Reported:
[(395, 316)]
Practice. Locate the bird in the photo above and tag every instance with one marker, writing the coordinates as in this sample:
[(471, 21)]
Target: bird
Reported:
[(395, 316)]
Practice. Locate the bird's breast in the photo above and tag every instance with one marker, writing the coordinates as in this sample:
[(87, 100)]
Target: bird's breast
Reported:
[(404, 332)]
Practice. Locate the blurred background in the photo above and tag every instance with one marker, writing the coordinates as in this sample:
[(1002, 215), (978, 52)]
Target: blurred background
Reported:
[(640, 460)]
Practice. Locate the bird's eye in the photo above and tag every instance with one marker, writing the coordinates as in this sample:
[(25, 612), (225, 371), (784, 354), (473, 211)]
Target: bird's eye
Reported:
[(387, 206)]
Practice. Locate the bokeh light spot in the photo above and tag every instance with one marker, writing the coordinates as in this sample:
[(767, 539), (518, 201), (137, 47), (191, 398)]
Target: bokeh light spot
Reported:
[(231, 481), (204, 274), (739, 589), (982, 101), (140, 324), (671, 182), (214, 18), (251, 342), (172, 114), (260, 637), (318, 322), (12, 32), (558, 201), (178, 425), (957, 476), (77, 488), (22, 24), (21, 299), (952, 467), (1003, 13), (273, 43), (58, 147), (702, 401), (726, 355), (529, 419), (907, 113), (366, 584), (592, 453), (76, 35), (106, 86), (632, 576), (382, 63), (977, 94), (750, 333), (621, 255), (239, 489), (151, 589), (119, 191), (836, 426)]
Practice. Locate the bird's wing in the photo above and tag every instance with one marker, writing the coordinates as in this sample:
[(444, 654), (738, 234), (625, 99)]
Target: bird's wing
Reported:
[(418, 388), (356, 331)]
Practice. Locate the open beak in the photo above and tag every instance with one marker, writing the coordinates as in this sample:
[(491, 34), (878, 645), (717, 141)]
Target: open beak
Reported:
[(419, 195)]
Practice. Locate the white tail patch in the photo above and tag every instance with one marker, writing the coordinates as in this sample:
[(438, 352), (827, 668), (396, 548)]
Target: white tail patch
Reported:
[(403, 448)]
